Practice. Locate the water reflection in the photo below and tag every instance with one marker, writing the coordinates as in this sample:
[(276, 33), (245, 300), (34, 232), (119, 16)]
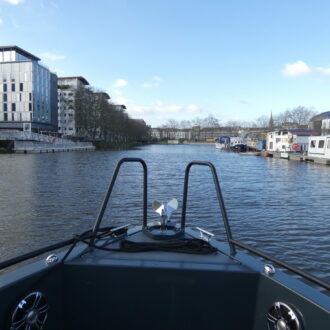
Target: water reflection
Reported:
[(276, 205)]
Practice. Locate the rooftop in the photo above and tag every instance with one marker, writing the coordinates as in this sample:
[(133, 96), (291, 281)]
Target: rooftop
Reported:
[(82, 79), (323, 115), (20, 51), (299, 131), (104, 94)]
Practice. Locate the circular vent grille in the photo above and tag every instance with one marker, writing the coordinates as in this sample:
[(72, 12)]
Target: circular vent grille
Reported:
[(282, 317), (30, 313)]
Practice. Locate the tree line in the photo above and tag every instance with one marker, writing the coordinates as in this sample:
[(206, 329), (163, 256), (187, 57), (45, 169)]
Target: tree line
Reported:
[(97, 118), (294, 118)]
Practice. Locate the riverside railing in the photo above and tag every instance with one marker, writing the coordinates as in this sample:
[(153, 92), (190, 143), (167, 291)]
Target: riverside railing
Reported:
[(49, 139)]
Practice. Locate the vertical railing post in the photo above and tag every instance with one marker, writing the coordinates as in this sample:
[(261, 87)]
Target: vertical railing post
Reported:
[(109, 191), (219, 197)]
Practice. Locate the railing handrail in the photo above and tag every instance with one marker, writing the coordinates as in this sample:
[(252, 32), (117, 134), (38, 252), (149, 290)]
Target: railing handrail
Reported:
[(110, 188), (219, 197)]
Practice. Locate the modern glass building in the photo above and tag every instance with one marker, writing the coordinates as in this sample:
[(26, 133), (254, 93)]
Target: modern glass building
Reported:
[(28, 92)]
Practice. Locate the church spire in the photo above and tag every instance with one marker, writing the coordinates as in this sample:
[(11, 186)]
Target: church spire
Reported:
[(271, 122)]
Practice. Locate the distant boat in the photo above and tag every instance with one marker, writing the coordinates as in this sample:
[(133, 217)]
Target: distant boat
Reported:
[(223, 143), (235, 140)]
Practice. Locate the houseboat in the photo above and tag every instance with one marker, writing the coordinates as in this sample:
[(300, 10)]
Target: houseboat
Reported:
[(289, 140), (319, 148)]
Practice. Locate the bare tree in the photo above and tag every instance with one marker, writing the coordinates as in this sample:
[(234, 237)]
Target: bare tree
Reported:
[(300, 115), (172, 123), (262, 121), (211, 122), (185, 124)]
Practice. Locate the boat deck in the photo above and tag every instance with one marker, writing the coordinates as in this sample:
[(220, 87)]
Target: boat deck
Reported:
[(156, 259)]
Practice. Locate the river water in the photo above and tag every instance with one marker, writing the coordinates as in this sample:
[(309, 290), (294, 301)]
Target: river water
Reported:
[(280, 207)]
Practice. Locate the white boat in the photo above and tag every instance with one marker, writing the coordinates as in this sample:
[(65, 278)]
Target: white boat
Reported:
[(235, 140), (223, 143), (319, 147)]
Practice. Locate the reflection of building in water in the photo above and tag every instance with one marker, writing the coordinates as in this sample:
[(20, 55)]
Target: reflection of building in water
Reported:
[(28, 91)]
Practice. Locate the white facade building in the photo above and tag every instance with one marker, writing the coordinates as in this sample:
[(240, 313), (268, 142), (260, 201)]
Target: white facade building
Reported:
[(290, 140), (28, 91), (319, 146), (326, 124), (67, 87)]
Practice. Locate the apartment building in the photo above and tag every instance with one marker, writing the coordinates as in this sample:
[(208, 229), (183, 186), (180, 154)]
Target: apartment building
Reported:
[(67, 87), (28, 92)]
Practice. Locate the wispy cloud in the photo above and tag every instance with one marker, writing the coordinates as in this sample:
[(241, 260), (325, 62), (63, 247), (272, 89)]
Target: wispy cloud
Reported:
[(14, 23), (120, 83), (51, 56), (323, 71), (192, 108), (295, 69), (300, 68), (159, 112), (13, 2), (155, 82), (240, 101)]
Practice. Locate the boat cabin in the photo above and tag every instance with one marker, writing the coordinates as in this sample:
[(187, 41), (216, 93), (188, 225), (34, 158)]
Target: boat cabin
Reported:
[(319, 146), (289, 140)]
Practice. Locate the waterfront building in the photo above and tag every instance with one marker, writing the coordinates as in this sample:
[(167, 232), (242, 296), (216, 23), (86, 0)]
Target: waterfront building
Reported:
[(321, 123), (67, 88), (171, 134), (289, 140), (28, 92)]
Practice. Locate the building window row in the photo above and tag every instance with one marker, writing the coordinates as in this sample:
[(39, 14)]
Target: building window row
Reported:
[(13, 107), (14, 117), (13, 87)]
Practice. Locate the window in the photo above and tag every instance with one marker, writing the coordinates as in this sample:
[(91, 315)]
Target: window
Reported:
[(30, 106), (13, 87), (278, 140), (4, 88), (13, 107), (321, 144), (21, 87), (313, 144), (283, 146), (5, 107), (4, 97), (5, 116), (30, 97), (328, 146), (13, 117)]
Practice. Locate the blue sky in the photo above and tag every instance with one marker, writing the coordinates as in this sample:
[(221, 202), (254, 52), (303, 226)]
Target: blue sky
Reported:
[(166, 59)]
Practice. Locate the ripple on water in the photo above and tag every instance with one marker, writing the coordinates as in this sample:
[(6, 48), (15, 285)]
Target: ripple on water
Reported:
[(278, 206)]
